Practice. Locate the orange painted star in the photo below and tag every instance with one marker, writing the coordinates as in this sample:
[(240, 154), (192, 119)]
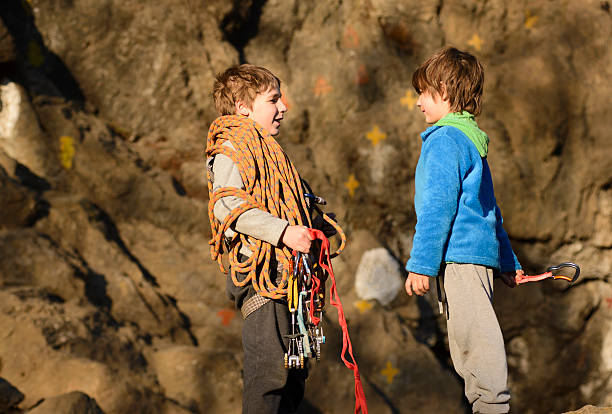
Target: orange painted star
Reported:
[(285, 100), (226, 315), (322, 87), (363, 77), (351, 38)]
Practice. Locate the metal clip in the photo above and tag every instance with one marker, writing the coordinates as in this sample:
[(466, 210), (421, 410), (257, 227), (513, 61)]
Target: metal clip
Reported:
[(563, 265)]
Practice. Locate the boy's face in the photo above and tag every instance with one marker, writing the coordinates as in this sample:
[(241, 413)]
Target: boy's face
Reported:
[(267, 110), (433, 106)]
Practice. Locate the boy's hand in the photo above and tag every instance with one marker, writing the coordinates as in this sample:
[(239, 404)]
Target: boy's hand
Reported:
[(297, 238), (419, 284), (509, 278), (320, 224)]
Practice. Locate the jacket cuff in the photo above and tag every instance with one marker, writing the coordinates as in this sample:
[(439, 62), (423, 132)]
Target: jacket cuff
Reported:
[(422, 270)]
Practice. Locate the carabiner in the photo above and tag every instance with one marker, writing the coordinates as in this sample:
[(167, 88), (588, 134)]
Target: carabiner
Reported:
[(549, 274), (563, 265)]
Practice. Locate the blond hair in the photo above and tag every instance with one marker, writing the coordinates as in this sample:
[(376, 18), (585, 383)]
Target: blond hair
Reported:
[(455, 73), (241, 83)]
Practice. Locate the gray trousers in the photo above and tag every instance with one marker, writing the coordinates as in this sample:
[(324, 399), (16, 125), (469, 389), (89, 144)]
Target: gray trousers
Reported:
[(475, 338), (269, 388)]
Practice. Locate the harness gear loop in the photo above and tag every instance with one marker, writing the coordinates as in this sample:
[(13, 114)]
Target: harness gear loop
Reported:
[(271, 184), (550, 274)]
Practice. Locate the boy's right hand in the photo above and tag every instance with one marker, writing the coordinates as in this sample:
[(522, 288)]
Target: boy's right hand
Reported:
[(297, 238), (419, 284)]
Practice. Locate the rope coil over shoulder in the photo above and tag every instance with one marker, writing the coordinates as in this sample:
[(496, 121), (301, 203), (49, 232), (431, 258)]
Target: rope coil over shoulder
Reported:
[(271, 184)]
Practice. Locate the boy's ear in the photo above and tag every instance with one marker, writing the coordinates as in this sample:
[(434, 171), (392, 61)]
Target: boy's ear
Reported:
[(242, 109), (443, 93)]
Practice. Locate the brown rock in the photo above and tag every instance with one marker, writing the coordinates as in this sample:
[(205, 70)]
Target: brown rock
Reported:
[(590, 409), (72, 403), (10, 396), (105, 277)]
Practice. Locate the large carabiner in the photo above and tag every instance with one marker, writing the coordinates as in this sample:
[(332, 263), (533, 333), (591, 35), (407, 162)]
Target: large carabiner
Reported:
[(550, 274), (561, 266)]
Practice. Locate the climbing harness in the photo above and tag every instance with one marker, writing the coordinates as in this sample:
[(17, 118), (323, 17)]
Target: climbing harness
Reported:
[(306, 299), (550, 273), (271, 184)]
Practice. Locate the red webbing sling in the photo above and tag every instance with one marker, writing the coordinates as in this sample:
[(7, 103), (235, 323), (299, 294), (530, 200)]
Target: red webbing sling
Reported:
[(325, 263)]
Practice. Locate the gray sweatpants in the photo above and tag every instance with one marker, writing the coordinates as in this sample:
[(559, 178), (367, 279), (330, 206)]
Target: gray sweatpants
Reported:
[(475, 338)]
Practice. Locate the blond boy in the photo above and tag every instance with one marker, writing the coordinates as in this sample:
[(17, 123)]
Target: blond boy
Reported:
[(259, 216)]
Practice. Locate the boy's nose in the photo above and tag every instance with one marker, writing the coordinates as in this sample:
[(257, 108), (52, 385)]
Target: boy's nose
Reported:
[(281, 106)]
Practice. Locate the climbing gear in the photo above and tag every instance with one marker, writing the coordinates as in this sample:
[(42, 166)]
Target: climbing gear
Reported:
[(305, 299), (306, 302), (271, 184), (316, 199), (549, 274)]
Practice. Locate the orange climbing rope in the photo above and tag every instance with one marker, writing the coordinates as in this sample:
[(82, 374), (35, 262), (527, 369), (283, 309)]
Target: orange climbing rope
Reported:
[(272, 184)]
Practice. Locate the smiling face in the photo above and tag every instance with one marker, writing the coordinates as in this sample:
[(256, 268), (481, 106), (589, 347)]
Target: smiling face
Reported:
[(433, 106), (267, 110)]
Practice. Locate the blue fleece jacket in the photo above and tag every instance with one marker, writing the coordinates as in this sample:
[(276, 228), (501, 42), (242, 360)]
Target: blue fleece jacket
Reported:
[(458, 219)]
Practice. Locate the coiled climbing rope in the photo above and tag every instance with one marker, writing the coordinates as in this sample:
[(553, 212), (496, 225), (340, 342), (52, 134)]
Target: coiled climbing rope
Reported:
[(272, 184)]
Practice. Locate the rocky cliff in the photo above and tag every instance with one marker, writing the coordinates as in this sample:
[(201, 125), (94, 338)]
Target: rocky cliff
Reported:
[(109, 300)]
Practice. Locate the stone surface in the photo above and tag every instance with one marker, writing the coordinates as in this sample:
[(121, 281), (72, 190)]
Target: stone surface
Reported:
[(106, 285), (71, 403), (378, 276), (10, 396), (589, 409)]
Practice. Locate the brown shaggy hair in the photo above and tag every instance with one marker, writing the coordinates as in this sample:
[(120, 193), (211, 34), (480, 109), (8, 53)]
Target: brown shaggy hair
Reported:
[(455, 75), (241, 83)]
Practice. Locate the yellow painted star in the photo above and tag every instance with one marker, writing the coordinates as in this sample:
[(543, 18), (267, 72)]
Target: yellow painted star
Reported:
[(530, 20), (409, 100), (475, 42), (363, 305), (390, 372), (351, 184), (376, 135), (66, 151)]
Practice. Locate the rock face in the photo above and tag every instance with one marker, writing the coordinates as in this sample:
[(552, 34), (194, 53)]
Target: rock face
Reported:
[(10, 397), (378, 276), (74, 402), (106, 283)]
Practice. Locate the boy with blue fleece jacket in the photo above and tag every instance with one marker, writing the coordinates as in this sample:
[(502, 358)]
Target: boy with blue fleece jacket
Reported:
[(459, 235)]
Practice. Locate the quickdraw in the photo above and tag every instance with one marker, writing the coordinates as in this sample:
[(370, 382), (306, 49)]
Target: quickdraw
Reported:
[(305, 302), (306, 299), (550, 273)]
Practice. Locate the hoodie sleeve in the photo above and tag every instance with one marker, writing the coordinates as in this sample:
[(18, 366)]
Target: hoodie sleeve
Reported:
[(437, 186), (508, 260)]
